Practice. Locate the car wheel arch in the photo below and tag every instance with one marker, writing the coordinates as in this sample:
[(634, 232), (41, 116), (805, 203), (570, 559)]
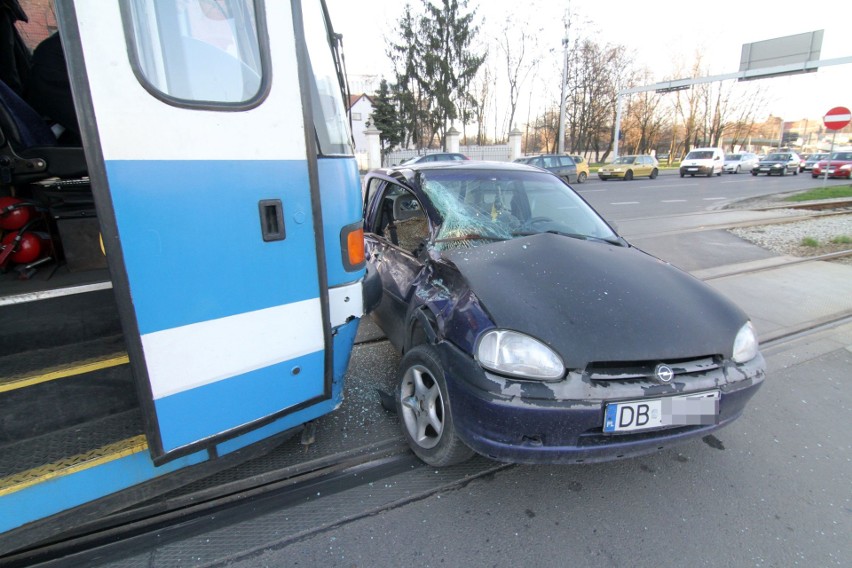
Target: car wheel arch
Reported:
[(422, 329)]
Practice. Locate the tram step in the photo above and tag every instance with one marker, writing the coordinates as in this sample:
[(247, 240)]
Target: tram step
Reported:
[(56, 320), (54, 389), (29, 461)]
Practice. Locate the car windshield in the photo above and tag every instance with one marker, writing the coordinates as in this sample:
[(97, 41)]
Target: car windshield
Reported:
[(703, 155), (733, 157), (778, 157), (624, 160), (842, 156), (479, 206)]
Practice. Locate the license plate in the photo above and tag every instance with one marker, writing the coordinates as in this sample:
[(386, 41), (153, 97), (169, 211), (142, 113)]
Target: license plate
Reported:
[(692, 169), (684, 410), (765, 169), (831, 171)]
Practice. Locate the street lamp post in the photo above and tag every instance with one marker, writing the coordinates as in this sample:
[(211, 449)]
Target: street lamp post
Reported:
[(560, 144)]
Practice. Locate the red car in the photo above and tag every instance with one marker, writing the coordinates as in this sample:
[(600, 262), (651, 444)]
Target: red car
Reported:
[(840, 166)]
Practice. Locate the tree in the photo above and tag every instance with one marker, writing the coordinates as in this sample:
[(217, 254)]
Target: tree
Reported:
[(435, 64), (513, 43), (386, 119)]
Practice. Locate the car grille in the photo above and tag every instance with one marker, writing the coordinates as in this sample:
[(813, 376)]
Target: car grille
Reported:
[(644, 370)]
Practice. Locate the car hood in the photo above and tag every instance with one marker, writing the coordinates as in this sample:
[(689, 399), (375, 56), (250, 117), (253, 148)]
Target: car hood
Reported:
[(773, 162), (595, 302)]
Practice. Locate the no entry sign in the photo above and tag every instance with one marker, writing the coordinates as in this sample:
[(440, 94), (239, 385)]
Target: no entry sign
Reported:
[(837, 118)]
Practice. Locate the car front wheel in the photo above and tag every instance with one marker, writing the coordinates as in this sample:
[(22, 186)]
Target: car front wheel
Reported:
[(424, 409), (654, 173), (581, 177), (628, 175)]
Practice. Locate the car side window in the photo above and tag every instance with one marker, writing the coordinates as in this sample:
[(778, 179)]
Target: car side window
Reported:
[(402, 219)]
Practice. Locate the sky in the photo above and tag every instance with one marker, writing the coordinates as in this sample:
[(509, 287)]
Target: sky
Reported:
[(661, 35)]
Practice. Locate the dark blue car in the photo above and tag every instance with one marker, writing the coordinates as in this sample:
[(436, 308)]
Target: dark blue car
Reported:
[(531, 332)]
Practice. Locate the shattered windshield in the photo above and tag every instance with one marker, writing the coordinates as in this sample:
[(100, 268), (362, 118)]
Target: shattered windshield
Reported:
[(481, 206)]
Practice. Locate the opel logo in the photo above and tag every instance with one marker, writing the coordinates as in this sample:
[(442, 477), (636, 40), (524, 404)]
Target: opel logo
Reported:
[(663, 373)]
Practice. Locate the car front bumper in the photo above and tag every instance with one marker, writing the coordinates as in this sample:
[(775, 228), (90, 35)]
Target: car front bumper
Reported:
[(833, 173), (531, 422), (696, 170), (607, 175)]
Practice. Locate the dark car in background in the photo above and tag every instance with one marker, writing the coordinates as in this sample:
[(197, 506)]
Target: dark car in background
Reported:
[(561, 165), (812, 160), (778, 163), (531, 332), (840, 166), (436, 157)]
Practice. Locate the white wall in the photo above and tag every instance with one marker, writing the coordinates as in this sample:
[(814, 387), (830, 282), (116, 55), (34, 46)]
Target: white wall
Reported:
[(361, 112)]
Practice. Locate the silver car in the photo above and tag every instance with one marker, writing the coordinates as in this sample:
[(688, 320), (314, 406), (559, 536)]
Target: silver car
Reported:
[(743, 162)]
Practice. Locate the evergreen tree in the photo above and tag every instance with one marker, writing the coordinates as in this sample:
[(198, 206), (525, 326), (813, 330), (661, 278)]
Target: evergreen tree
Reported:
[(434, 65), (386, 119)]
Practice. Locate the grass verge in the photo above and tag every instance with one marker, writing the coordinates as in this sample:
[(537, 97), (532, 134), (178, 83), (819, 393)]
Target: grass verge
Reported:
[(822, 193)]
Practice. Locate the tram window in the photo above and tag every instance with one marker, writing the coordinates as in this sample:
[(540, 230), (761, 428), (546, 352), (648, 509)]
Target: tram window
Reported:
[(329, 115), (198, 51)]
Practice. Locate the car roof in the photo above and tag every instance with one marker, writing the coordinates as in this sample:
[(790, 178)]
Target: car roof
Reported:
[(408, 171)]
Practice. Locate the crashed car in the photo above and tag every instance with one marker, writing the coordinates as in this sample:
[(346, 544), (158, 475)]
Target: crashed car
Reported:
[(531, 332)]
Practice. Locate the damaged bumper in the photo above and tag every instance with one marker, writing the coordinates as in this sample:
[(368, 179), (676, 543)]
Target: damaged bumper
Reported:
[(533, 422)]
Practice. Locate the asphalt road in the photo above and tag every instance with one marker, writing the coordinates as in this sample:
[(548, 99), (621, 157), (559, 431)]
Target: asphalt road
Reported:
[(670, 194), (772, 489)]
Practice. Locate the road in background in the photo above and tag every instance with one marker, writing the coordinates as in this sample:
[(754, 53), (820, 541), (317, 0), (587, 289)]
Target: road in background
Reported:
[(669, 194)]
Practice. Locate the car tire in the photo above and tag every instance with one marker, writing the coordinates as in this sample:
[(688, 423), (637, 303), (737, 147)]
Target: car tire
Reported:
[(795, 172), (654, 173), (682, 174), (581, 177), (603, 178), (783, 171), (736, 171), (754, 174), (424, 409), (719, 173), (628, 175)]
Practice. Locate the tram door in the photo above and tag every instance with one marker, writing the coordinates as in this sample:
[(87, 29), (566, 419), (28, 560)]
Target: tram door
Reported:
[(193, 125)]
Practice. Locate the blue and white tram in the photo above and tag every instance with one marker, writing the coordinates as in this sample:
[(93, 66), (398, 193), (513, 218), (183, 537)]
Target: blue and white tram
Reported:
[(228, 203)]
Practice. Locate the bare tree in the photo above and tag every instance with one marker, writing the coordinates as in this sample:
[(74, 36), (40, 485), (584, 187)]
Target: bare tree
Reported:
[(513, 42)]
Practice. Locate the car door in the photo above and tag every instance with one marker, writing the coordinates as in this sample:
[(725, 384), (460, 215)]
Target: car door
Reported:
[(392, 248)]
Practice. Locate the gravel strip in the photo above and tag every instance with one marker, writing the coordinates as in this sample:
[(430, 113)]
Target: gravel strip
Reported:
[(786, 238)]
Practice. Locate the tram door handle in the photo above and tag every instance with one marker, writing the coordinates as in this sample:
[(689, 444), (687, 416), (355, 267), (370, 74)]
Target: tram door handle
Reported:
[(272, 220)]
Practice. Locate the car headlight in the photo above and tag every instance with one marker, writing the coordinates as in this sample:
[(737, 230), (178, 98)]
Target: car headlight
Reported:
[(846, 167), (512, 353), (777, 165), (745, 344)]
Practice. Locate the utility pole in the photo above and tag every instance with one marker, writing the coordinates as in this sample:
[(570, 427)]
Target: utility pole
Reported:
[(560, 145)]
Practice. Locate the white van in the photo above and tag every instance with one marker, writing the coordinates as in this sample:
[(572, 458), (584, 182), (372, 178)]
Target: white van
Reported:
[(703, 161)]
